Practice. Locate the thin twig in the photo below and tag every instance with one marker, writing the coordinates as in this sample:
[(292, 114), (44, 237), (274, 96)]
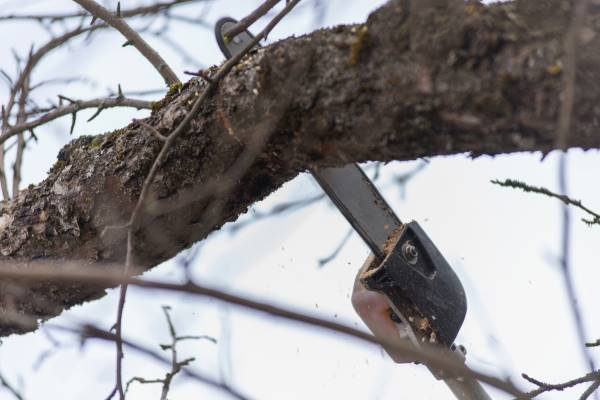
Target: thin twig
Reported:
[(151, 129), (21, 86), (52, 44), (132, 36), (565, 263), (21, 117), (90, 331), (177, 48), (546, 192), (564, 124), (327, 259), (75, 107), (276, 211), (11, 389), (3, 181), (250, 19)]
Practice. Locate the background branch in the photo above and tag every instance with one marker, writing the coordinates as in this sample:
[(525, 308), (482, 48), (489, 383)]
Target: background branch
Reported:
[(74, 107), (113, 275)]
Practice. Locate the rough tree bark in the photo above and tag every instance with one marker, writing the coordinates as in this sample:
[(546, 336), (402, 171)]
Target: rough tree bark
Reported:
[(442, 80)]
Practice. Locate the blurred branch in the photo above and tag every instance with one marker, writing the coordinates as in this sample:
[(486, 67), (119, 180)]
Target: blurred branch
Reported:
[(24, 90), (5, 126), (20, 86), (592, 389), (92, 332), (404, 178), (579, 11), (11, 389), (52, 44), (176, 365), (177, 48), (133, 38), (515, 184), (277, 210), (327, 259), (195, 22)]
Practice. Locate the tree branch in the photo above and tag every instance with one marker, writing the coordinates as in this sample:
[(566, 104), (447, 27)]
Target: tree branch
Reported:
[(134, 12), (74, 107), (133, 38), (250, 19)]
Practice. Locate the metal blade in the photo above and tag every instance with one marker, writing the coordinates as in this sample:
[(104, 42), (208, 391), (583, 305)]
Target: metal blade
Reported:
[(358, 199)]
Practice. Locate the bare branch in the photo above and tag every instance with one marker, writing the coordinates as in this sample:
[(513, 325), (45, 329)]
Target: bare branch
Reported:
[(10, 388), (52, 44), (76, 106), (569, 71), (515, 184), (89, 331), (250, 19), (134, 12), (3, 181), (176, 365), (132, 36), (544, 387), (21, 117), (593, 344), (578, 13), (327, 259), (277, 210), (590, 390)]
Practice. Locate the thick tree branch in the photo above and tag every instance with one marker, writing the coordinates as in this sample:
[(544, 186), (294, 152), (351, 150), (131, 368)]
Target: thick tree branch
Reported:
[(250, 19), (482, 80)]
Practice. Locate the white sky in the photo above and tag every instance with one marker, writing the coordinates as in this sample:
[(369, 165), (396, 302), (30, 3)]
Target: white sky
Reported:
[(503, 244)]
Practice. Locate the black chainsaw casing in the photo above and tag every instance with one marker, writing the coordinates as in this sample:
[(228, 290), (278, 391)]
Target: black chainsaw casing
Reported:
[(423, 290)]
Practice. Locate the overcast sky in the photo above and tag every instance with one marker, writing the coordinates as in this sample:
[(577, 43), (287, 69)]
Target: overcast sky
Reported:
[(503, 244)]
